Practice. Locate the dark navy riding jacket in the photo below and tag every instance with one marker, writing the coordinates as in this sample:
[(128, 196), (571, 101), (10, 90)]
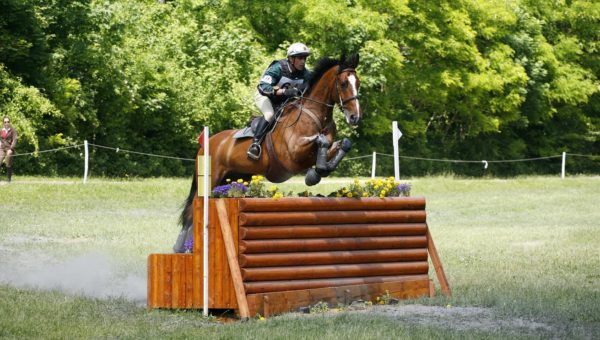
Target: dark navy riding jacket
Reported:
[(279, 74)]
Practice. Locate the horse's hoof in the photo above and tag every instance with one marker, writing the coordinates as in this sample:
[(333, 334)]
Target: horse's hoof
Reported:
[(312, 177), (346, 144)]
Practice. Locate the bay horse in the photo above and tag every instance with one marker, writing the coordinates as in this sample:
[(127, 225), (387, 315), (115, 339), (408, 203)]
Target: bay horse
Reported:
[(302, 137)]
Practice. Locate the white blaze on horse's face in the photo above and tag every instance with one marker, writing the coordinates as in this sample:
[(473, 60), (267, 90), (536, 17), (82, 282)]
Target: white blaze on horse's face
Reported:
[(350, 105), (352, 81)]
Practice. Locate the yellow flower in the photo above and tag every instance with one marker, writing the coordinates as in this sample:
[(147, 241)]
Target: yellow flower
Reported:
[(338, 195), (260, 178), (349, 195), (365, 194), (246, 183), (383, 192), (228, 180), (254, 177), (356, 181), (240, 180), (273, 188)]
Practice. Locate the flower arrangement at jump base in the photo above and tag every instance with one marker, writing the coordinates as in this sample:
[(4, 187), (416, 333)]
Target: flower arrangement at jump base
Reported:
[(240, 188), (375, 188), (256, 187)]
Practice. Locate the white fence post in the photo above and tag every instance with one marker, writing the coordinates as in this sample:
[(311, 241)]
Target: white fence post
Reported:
[(205, 219), (562, 168), (86, 161), (396, 134), (374, 164)]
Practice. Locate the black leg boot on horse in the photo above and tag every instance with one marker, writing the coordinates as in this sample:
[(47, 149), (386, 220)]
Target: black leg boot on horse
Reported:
[(323, 167), (9, 174), (261, 129)]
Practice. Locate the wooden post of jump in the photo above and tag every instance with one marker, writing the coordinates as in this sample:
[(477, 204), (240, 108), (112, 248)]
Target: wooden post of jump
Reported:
[(234, 266), (206, 193), (437, 264)]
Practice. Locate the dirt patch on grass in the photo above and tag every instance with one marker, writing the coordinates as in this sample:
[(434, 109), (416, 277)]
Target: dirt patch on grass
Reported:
[(459, 318), (455, 318)]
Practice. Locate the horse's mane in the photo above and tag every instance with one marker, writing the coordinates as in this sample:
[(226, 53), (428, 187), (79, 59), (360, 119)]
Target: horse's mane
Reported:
[(323, 65)]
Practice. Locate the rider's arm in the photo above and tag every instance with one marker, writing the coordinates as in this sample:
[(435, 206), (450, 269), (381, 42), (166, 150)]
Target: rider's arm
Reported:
[(269, 79)]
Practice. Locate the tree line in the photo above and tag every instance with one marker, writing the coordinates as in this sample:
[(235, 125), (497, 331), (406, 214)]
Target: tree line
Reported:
[(465, 79)]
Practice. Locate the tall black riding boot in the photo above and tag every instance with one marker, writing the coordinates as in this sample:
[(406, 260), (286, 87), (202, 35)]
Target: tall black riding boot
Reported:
[(9, 173), (255, 150)]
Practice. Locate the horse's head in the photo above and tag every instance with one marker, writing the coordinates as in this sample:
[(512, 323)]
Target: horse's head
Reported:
[(347, 85)]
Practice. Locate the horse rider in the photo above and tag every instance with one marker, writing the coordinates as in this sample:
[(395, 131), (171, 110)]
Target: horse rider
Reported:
[(283, 79)]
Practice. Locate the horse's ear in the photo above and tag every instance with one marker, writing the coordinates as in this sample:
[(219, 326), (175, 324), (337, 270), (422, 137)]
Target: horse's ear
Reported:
[(349, 62), (353, 60)]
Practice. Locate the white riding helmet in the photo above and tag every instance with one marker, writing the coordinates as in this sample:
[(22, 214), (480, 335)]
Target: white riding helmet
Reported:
[(298, 50)]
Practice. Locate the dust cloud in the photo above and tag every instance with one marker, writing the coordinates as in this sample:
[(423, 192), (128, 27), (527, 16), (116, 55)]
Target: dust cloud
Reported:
[(93, 275)]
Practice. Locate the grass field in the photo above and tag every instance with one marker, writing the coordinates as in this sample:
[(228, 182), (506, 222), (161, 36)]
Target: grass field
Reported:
[(522, 257)]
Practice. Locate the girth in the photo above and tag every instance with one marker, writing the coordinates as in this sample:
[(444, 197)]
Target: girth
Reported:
[(276, 172)]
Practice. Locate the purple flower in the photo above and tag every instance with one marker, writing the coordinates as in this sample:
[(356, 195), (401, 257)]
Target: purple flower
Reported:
[(404, 189), (238, 186), (233, 189), (189, 244), (221, 191)]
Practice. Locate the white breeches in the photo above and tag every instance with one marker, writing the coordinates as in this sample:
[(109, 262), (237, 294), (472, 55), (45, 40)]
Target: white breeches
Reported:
[(264, 105)]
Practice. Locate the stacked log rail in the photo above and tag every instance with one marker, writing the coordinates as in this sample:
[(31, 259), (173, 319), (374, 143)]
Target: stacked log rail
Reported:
[(309, 243)]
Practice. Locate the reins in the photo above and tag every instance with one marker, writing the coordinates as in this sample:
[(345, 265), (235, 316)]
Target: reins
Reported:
[(317, 121)]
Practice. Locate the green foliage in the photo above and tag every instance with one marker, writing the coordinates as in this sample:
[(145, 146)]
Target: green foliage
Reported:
[(464, 79)]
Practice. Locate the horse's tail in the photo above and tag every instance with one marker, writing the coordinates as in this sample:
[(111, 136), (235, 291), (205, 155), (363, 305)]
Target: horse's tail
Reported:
[(186, 217)]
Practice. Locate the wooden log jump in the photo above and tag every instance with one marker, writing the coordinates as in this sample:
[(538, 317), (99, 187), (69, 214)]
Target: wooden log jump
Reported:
[(271, 256)]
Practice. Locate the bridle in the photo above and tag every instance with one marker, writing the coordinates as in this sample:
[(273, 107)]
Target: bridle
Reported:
[(341, 102), (337, 87)]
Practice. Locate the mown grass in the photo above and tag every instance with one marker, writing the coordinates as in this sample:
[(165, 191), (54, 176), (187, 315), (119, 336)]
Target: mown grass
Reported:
[(526, 248)]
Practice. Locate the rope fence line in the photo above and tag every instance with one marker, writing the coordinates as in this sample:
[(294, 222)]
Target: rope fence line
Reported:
[(467, 161), (373, 155), (141, 153), (45, 151), (357, 157), (587, 156)]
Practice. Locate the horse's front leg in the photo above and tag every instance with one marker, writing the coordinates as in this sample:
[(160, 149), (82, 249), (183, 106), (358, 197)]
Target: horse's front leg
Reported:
[(328, 158)]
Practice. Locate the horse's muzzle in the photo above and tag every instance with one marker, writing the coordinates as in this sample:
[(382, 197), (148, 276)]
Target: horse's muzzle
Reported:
[(352, 118)]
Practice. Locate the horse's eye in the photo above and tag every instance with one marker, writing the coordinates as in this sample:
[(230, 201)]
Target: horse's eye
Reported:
[(344, 84)]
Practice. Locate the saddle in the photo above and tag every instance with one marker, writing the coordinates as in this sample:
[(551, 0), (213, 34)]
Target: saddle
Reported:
[(276, 171)]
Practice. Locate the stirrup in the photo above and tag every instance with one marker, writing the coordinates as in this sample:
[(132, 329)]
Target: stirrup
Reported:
[(253, 156)]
